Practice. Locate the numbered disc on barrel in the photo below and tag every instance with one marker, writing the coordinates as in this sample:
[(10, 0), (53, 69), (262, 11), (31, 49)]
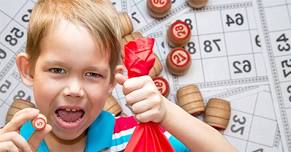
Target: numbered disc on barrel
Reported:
[(178, 34), (159, 8), (162, 85), (178, 61)]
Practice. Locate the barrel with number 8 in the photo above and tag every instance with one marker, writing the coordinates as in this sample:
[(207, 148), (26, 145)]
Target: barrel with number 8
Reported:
[(178, 34), (178, 61)]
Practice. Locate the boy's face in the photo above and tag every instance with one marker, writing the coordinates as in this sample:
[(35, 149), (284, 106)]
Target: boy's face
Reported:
[(71, 80)]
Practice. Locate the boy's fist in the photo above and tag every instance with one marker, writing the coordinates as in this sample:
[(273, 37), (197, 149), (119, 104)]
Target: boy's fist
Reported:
[(144, 98)]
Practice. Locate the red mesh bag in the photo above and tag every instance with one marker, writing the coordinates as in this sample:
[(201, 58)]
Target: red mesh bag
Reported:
[(147, 137)]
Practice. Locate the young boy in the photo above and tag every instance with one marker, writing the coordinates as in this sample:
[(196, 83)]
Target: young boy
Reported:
[(71, 59)]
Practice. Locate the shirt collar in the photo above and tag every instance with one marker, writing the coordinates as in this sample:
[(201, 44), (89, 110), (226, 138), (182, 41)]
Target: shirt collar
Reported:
[(99, 135)]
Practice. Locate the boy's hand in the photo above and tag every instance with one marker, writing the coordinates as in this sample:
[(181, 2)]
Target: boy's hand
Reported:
[(144, 98), (11, 140)]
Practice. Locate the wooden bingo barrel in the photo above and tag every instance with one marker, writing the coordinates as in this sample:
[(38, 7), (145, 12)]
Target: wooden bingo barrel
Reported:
[(178, 34), (197, 3), (159, 8), (16, 106), (39, 122), (130, 37), (162, 85), (190, 99), (111, 105), (178, 61), (157, 68), (217, 113), (126, 24)]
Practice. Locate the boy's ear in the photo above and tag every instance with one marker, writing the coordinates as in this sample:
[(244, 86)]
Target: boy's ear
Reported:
[(22, 62)]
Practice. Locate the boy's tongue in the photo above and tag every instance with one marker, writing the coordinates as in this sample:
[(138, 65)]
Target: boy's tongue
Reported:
[(69, 116)]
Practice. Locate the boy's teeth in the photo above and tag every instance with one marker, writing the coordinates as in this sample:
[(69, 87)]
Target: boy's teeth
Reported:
[(74, 110), (67, 109)]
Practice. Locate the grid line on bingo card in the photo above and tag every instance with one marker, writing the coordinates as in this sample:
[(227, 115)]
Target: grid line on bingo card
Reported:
[(199, 46), (9, 64), (274, 73), (252, 120), (18, 83), (12, 18), (248, 141), (141, 12), (250, 36), (234, 31), (124, 5), (232, 82), (226, 48)]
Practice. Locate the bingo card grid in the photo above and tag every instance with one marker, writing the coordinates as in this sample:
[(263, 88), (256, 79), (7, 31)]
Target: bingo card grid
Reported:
[(239, 63), (253, 126), (275, 20), (14, 19)]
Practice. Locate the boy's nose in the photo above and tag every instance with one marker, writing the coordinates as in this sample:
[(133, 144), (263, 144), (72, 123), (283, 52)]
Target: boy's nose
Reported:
[(74, 89)]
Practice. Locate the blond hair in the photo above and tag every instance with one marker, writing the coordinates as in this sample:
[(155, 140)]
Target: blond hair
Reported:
[(98, 17)]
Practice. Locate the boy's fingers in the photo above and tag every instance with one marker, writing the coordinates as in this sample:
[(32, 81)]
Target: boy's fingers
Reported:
[(20, 118), (136, 83), (38, 136), (8, 146), (120, 79), (16, 139)]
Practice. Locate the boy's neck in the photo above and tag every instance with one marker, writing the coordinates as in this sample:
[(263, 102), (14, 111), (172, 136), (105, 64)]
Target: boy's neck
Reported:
[(56, 144)]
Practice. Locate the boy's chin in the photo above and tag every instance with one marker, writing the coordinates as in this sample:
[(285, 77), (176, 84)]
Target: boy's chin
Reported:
[(69, 137)]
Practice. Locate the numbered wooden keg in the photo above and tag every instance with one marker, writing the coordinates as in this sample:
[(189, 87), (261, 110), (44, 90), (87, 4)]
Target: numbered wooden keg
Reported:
[(159, 8), (17, 105), (178, 61), (197, 3), (217, 113), (126, 24), (157, 68), (162, 85), (190, 99), (39, 123), (112, 105), (129, 37), (178, 34)]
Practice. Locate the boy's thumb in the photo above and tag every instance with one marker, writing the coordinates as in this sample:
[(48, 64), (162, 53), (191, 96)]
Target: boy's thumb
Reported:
[(120, 79)]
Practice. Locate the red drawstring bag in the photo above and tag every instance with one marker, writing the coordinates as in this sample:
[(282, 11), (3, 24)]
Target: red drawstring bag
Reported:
[(147, 137)]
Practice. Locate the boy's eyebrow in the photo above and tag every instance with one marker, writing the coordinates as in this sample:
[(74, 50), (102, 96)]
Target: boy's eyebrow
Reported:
[(89, 68), (50, 62), (99, 69)]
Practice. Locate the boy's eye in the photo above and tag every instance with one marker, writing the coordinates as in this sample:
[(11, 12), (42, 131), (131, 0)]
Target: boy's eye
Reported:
[(57, 70), (93, 75)]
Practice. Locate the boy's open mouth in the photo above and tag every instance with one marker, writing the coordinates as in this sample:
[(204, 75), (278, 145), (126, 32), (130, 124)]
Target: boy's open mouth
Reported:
[(69, 117)]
